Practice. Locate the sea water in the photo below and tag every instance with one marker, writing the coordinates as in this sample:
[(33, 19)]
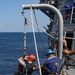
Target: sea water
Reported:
[(12, 47)]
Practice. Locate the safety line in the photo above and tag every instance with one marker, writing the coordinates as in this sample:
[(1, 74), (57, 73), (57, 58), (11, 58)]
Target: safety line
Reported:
[(35, 42), (41, 29)]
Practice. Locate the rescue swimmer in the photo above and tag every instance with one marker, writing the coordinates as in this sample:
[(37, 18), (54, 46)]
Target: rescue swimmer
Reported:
[(26, 65)]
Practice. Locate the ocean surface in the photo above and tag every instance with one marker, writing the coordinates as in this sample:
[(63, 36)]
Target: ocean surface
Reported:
[(12, 47)]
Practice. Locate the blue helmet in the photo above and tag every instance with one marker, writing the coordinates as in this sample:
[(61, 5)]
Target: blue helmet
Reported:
[(49, 51)]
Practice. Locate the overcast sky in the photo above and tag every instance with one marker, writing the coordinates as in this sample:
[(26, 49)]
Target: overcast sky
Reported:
[(11, 19)]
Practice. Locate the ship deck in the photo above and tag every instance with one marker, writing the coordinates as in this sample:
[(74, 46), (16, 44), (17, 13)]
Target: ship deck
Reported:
[(71, 70)]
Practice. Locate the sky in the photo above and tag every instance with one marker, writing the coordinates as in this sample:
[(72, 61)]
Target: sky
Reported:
[(11, 19)]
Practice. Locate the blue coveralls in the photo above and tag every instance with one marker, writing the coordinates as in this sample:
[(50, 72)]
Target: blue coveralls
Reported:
[(51, 64)]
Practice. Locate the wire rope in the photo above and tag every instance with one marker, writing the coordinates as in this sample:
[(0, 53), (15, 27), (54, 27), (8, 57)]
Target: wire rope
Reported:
[(38, 29), (45, 31)]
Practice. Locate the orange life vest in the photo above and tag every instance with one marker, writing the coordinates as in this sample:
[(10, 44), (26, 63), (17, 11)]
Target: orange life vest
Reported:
[(20, 67)]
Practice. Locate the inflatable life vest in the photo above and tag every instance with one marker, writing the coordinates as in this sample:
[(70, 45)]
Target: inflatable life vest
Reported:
[(20, 67), (29, 68)]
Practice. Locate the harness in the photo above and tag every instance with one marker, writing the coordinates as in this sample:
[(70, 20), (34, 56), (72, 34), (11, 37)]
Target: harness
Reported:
[(29, 67), (64, 47)]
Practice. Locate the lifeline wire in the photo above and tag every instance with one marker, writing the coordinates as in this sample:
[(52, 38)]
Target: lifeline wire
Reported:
[(69, 38), (46, 32), (37, 26), (40, 29), (35, 42)]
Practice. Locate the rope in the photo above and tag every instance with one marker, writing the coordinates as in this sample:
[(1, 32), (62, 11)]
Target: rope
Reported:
[(38, 30), (38, 27), (69, 38), (35, 42), (24, 34), (24, 39)]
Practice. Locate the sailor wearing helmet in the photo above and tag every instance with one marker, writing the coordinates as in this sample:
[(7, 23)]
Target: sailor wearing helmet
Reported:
[(27, 63), (52, 63)]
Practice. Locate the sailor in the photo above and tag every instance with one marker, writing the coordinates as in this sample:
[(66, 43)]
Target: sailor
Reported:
[(69, 52), (27, 65), (66, 50), (64, 44), (51, 65)]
